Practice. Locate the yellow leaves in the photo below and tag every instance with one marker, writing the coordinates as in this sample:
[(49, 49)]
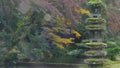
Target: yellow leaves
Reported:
[(60, 19), (58, 39), (76, 33), (61, 42), (26, 17), (67, 40), (59, 45), (68, 22), (83, 11), (63, 21), (56, 29)]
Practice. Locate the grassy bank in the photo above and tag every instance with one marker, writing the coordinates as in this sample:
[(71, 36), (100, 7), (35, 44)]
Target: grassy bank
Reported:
[(112, 64)]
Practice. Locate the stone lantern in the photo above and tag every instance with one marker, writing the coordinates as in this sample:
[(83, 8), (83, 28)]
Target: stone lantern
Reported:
[(95, 27)]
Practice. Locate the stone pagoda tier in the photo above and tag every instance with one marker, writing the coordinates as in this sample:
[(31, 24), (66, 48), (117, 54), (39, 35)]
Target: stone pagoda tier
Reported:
[(95, 27)]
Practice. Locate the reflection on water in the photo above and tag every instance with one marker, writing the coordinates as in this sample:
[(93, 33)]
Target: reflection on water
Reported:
[(38, 67), (43, 66)]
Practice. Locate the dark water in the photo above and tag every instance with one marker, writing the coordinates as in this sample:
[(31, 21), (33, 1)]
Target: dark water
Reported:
[(45, 66)]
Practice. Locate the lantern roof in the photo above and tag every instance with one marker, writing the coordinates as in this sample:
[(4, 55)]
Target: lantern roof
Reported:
[(91, 2)]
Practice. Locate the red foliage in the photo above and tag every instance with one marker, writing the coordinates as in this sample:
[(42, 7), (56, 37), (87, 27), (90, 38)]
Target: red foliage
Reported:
[(114, 26)]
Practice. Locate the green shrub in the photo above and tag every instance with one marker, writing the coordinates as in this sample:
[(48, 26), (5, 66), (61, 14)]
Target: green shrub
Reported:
[(11, 56), (113, 52), (113, 48), (76, 52), (41, 55)]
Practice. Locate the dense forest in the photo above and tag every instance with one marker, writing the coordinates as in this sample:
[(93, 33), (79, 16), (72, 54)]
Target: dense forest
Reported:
[(52, 30)]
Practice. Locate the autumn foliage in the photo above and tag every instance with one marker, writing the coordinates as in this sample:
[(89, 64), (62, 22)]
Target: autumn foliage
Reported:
[(83, 11), (61, 42)]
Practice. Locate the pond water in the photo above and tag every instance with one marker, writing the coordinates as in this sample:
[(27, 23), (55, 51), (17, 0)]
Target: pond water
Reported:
[(46, 66)]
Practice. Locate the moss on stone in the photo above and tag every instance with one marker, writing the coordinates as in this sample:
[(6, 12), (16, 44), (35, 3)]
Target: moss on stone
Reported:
[(91, 2), (94, 44), (94, 19), (93, 26), (95, 53), (94, 61)]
